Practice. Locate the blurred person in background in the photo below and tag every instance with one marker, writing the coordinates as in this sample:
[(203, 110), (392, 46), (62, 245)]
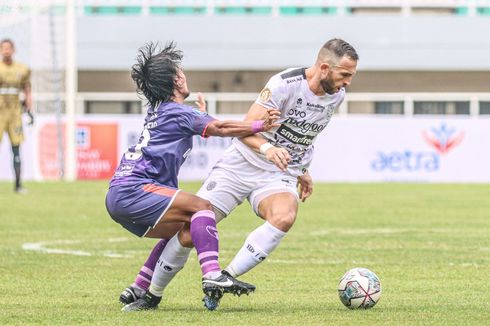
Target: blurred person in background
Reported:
[(144, 196), (14, 79), (270, 169)]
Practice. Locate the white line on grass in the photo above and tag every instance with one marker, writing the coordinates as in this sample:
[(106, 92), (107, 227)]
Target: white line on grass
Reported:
[(42, 248)]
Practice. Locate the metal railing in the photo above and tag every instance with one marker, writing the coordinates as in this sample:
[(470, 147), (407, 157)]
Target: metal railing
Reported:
[(212, 99)]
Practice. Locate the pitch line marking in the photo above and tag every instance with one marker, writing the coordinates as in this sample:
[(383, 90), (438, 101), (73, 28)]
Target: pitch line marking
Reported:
[(42, 247)]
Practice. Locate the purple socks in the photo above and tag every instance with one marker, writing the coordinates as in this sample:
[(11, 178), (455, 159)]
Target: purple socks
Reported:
[(143, 278), (205, 238)]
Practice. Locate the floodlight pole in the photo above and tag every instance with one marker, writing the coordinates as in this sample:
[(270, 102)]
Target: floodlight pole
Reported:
[(71, 89)]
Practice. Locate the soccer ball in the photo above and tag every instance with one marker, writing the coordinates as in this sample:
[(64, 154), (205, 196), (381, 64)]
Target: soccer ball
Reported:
[(359, 288)]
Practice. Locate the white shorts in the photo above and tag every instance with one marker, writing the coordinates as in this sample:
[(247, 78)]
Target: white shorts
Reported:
[(233, 179)]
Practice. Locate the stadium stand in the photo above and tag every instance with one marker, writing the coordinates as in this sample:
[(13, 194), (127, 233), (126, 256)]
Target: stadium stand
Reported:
[(408, 48)]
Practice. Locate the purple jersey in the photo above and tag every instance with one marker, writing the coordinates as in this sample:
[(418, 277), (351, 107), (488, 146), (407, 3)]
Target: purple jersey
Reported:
[(164, 144)]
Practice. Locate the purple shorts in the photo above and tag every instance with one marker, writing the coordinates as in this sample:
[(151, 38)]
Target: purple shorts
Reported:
[(138, 208)]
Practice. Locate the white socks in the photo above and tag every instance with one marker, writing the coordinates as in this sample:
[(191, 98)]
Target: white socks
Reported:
[(172, 260), (258, 245)]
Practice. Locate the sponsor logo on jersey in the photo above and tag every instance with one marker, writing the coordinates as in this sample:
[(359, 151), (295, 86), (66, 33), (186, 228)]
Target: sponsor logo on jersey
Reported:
[(265, 95), (293, 80), (296, 113), (299, 101), (295, 137), (315, 107), (304, 125)]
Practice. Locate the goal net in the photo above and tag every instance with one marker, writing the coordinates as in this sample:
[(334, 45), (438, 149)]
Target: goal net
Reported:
[(36, 28)]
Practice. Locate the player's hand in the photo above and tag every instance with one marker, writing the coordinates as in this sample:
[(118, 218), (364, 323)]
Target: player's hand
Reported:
[(271, 118), (279, 156), (305, 184), (30, 118), (30, 115), (201, 102)]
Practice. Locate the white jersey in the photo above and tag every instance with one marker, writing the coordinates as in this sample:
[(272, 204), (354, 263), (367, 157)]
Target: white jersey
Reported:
[(303, 116)]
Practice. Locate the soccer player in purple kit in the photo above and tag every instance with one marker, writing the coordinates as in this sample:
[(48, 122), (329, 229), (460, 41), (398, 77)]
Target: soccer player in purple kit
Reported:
[(143, 195)]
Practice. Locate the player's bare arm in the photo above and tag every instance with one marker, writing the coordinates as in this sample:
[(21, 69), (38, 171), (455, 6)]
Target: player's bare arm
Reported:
[(27, 92), (28, 104), (231, 128), (277, 155)]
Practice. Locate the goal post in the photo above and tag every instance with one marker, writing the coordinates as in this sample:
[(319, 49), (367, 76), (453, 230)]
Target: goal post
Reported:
[(44, 34)]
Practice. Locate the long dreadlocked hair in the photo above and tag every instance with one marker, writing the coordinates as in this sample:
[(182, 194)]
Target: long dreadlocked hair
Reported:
[(155, 72)]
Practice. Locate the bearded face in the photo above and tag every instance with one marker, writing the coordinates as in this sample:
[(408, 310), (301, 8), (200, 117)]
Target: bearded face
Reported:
[(328, 84)]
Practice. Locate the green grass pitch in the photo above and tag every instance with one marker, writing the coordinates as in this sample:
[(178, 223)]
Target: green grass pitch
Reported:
[(429, 244)]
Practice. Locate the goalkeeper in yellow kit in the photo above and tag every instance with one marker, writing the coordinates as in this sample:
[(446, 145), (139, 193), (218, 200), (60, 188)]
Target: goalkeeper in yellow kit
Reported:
[(14, 79)]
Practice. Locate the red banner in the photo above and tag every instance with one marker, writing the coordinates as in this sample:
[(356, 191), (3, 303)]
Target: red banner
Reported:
[(96, 147)]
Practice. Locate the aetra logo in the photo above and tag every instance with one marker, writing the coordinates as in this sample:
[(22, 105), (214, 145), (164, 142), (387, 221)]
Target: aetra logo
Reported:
[(442, 139), (406, 161)]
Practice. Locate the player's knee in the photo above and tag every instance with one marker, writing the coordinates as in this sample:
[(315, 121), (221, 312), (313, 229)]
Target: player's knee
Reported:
[(282, 220), (202, 205), (185, 238)]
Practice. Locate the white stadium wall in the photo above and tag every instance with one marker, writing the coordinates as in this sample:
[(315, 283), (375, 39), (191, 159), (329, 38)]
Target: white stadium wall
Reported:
[(351, 149), (255, 43), (265, 43)]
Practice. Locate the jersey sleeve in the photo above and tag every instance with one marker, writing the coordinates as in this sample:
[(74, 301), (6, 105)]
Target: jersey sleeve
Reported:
[(273, 95), (195, 122)]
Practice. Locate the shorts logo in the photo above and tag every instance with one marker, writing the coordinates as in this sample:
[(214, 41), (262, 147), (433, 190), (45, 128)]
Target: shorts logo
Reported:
[(167, 268), (211, 185), (265, 95), (212, 231)]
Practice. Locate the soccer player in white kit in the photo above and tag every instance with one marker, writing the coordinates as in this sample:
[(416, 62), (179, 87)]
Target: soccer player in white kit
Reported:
[(270, 169)]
